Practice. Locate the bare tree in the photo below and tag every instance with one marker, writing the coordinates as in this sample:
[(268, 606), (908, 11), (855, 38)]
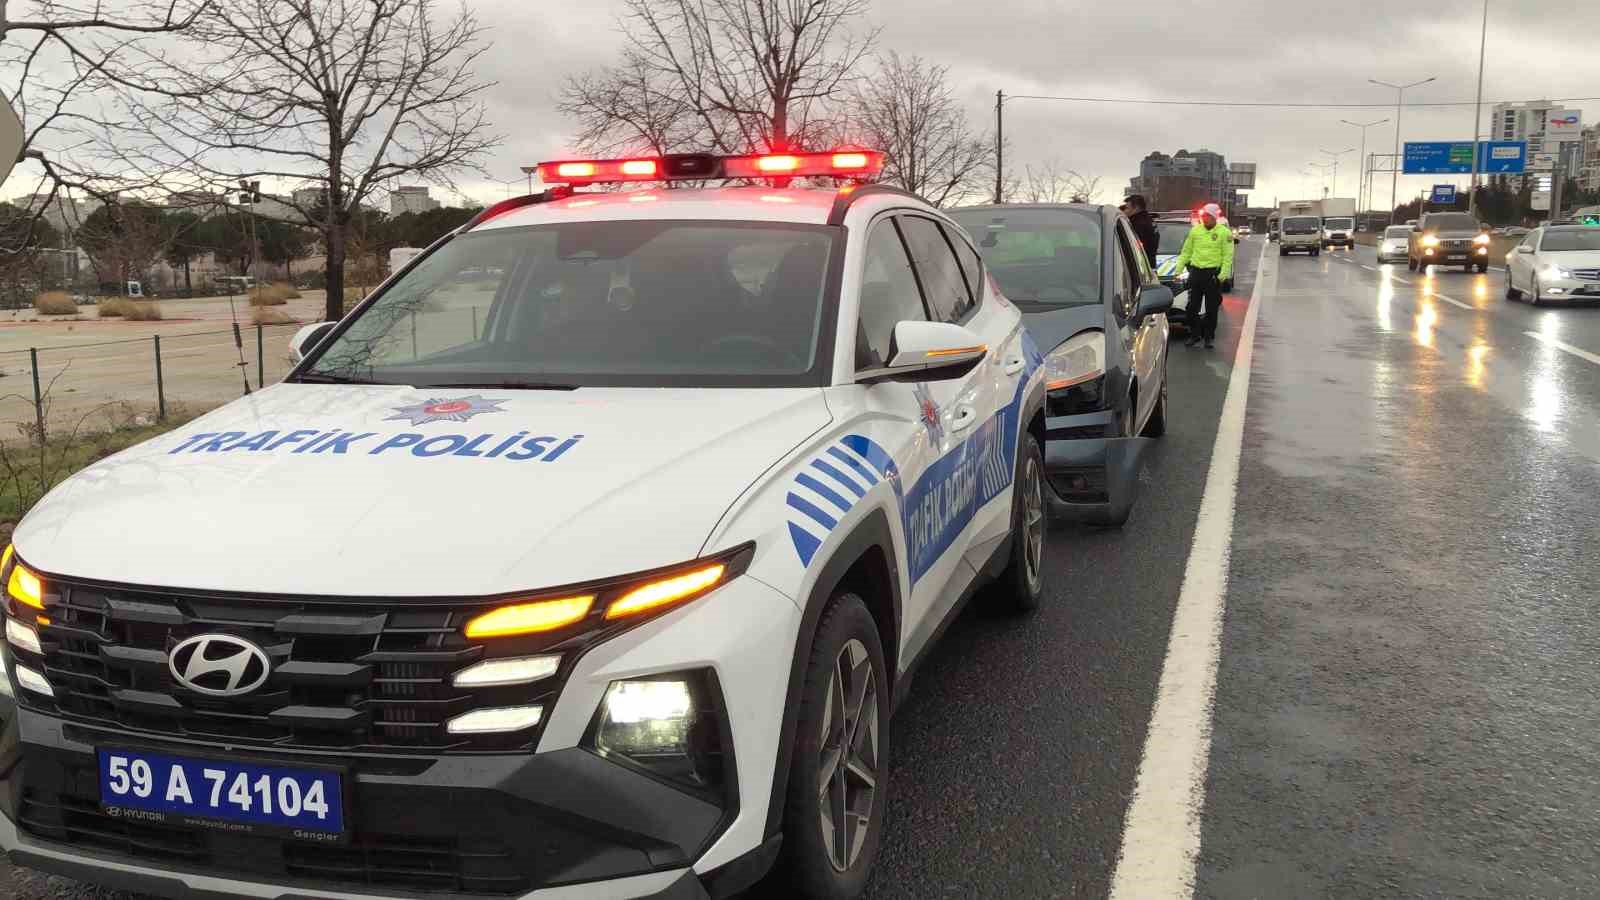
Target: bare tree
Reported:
[(1050, 182), (59, 57), (907, 110), (733, 76), (344, 96)]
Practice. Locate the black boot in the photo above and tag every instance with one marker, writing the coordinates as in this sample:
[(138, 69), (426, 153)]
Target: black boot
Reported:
[(1194, 338), (1210, 345)]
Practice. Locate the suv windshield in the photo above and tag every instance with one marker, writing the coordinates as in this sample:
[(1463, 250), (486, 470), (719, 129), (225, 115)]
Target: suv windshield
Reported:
[(650, 303), (1452, 222), (1173, 235), (1570, 240), (1301, 225), (1039, 257)]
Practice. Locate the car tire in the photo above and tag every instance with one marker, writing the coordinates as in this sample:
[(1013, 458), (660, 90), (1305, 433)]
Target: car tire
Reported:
[(1283, 251), (833, 762), (1157, 424), (1483, 268), (1511, 292), (1316, 252), (1534, 297), (1411, 263), (1020, 587)]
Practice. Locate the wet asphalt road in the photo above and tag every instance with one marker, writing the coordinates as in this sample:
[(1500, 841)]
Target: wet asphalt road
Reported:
[(1405, 694)]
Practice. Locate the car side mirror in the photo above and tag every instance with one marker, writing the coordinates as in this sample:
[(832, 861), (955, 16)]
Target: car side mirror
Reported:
[(306, 339), (928, 351), (1153, 298), (1524, 248)]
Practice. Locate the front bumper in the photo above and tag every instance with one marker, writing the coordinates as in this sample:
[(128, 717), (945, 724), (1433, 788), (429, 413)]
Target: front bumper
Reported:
[(1092, 478), (558, 824), (1569, 289)]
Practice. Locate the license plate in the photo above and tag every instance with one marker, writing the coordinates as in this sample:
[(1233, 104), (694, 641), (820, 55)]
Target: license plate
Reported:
[(239, 797)]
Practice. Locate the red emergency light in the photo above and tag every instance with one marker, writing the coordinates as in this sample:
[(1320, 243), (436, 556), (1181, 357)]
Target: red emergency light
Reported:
[(703, 167)]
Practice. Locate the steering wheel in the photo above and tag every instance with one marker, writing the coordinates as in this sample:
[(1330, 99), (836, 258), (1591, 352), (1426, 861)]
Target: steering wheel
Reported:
[(764, 345)]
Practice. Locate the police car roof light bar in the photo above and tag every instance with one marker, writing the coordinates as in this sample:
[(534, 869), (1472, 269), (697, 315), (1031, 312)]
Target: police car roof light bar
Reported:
[(858, 164)]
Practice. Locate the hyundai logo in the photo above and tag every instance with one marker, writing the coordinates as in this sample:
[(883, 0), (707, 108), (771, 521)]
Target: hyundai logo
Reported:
[(220, 665)]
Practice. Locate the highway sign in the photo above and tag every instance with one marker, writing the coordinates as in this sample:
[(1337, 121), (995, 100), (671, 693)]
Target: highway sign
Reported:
[(1242, 176), (1455, 157), (1443, 193)]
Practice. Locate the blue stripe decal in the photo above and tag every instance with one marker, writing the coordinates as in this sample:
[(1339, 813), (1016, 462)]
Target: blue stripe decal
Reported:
[(805, 543), (850, 483), (856, 467), (872, 453), (810, 509), (828, 493)]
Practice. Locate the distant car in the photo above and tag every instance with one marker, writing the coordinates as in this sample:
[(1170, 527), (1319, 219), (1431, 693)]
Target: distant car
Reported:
[(1559, 262), (1242, 231), (1097, 311), (1448, 238), (1392, 246)]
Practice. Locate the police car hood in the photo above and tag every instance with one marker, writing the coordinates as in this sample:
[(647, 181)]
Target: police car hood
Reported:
[(362, 490)]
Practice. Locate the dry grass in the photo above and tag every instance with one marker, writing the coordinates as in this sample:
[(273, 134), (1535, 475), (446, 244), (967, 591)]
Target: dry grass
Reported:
[(55, 303), (264, 316), (142, 311), (111, 307), (276, 294)]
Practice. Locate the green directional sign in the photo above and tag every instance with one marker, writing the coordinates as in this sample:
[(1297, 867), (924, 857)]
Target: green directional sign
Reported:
[(1461, 155)]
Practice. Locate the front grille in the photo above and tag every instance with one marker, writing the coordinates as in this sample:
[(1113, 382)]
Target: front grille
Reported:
[(349, 676), (1586, 274), (370, 860), (1455, 244)]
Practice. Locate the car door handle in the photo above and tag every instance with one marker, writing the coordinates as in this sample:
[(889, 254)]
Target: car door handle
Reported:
[(964, 417), (1013, 366)]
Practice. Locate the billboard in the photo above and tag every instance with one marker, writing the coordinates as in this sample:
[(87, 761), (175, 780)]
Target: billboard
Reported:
[(1563, 125), (1242, 176), (1455, 157)]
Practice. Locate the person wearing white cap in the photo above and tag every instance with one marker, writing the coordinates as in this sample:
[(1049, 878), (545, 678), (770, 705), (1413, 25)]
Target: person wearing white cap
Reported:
[(1208, 253)]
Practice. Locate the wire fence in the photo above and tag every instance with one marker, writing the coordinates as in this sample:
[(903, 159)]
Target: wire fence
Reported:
[(50, 391)]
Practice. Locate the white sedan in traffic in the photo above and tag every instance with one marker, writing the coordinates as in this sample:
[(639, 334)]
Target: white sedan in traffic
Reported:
[(1560, 262), (1392, 247)]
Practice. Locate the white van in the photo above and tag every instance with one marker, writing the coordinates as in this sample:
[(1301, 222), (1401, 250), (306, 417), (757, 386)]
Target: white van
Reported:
[(1300, 233)]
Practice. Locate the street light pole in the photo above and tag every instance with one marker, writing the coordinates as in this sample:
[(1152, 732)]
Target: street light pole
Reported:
[(1335, 156), (1363, 189), (1477, 112), (1399, 106), (999, 145), (1324, 167)]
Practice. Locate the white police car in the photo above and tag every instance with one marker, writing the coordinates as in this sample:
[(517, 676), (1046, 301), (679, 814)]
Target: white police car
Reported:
[(586, 558)]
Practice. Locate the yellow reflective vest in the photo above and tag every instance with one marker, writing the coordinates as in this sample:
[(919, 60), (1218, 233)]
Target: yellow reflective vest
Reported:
[(1208, 248)]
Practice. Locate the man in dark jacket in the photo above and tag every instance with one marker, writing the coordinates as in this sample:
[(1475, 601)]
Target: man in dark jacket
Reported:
[(1144, 225)]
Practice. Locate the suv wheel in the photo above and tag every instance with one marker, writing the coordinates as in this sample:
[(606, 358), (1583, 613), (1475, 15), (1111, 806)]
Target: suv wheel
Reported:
[(1021, 585), (838, 780)]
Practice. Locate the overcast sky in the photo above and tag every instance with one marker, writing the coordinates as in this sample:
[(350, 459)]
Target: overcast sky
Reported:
[(1247, 50)]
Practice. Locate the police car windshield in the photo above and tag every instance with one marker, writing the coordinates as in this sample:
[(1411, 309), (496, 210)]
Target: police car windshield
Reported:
[(1039, 257), (1172, 235), (643, 303)]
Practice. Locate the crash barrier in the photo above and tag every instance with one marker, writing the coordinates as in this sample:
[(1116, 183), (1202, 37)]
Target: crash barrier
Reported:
[(96, 385)]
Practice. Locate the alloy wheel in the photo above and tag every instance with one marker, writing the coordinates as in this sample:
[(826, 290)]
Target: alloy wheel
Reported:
[(848, 778), (1032, 523)]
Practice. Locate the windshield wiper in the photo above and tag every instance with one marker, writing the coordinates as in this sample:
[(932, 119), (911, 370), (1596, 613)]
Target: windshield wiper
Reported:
[(507, 385), (321, 378)]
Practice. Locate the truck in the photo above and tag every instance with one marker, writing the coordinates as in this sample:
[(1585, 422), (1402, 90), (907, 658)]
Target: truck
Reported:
[(1338, 222), (1300, 227)]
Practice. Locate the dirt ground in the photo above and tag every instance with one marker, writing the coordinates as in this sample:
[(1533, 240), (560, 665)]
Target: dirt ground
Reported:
[(94, 372)]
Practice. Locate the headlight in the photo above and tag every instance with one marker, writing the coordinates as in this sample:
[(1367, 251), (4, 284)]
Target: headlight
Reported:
[(671, 725), (1481, 239), (1429, 240), (1558, 272), (1074, 375)]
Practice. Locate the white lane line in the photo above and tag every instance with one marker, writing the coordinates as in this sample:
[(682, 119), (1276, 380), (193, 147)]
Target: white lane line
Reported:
[(1453, 301), (1369, 268), (1562, 345), (1161, 834)]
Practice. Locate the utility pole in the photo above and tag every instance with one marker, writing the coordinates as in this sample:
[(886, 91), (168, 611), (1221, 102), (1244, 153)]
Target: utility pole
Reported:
[(999, 146), (1334, 155), (1477, 112), (1399, 106)]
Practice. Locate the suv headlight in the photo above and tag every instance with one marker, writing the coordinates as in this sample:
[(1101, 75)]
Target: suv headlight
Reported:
[(1481, 239), (1074, 375), (1430, 240), (672, 726)]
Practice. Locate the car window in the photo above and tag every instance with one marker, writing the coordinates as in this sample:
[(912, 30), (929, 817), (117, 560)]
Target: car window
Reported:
[(1126, 274), (888, 295), (1143, 273), (1038, 257), (640, 304), (1302, 225), (1559, 241), (1532, 240), (971, 263), (1397, 231), (1172, 236), (944, 285)]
